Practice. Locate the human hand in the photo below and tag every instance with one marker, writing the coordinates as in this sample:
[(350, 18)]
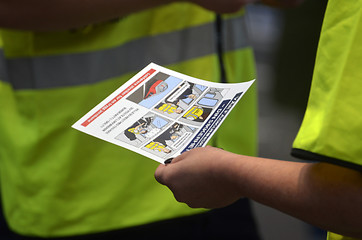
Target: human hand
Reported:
[(201, 177)]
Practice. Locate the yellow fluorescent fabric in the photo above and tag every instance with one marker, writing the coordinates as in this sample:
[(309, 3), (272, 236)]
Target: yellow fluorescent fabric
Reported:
[(332, 127), (333, 236), (119, 31), (56, 181)]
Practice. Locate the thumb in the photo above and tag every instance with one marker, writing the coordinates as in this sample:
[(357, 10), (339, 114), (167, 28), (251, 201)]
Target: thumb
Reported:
[(159, 174)]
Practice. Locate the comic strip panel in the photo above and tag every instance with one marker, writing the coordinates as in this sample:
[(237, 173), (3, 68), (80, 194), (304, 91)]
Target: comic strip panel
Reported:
[(143, 129), (154, 90), (200, 111), (170, 140), (180, 99)]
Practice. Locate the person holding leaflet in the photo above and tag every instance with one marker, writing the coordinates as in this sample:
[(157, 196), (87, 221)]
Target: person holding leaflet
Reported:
[(58, 59), (326, 191)]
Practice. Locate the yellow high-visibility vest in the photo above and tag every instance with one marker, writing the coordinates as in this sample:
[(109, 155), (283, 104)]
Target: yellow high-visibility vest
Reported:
[(193, 113), (155, 146), (332, 127), (168, 108), (57, 181)]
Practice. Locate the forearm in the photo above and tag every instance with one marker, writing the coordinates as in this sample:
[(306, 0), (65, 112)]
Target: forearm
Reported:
[(324, 195), (47, 15)]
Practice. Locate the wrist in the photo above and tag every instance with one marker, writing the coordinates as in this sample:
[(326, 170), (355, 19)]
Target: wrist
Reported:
[(231, 169)]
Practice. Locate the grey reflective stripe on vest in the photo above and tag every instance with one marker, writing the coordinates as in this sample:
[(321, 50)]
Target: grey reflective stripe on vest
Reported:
[(92, 67)]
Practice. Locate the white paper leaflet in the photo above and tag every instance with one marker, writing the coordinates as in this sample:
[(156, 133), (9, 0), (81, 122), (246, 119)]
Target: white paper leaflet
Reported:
[(160, 113)]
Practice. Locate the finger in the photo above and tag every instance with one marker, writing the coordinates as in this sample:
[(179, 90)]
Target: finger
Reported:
[(168, 161), (180, 157), (185, 155), (159, 174)]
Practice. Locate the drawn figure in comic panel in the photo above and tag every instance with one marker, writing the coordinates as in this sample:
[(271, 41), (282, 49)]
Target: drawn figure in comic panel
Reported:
[(139, 127), (160, 144), (168, 108), (183, 92), (157, 146), (180, 99), (143, 129), (199, 112)]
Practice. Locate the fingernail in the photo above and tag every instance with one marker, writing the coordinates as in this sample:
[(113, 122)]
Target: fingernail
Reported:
[(168, 161)]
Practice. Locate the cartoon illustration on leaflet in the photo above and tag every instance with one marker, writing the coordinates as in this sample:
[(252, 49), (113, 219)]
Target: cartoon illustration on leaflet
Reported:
[(170, 140), (180, 99), (155, 89), (196, 114), (143, 129), (200, 111)]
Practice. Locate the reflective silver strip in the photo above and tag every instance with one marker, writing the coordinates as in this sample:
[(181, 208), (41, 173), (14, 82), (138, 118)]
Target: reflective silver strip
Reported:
[(235, 34), (91, 67)]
